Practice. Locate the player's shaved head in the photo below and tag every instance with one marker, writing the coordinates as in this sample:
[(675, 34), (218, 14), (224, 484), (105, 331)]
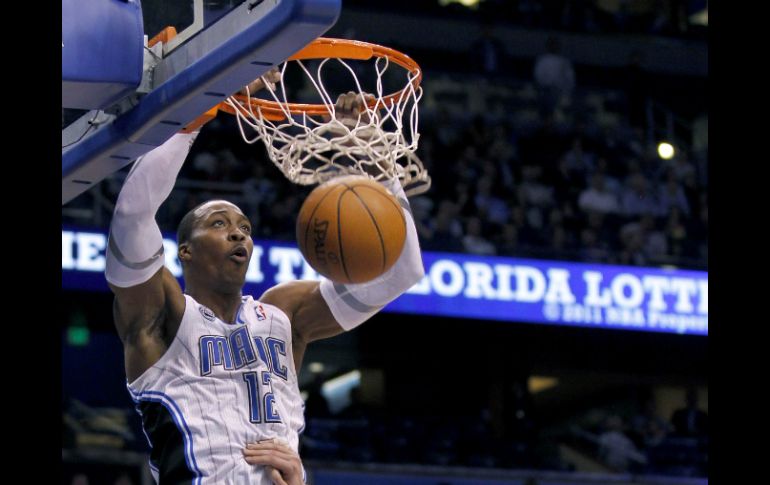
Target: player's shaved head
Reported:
[(186, 225)]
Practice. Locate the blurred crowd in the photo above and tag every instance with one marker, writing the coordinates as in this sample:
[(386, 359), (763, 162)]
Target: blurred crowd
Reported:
[(511, 436), (647, 443)]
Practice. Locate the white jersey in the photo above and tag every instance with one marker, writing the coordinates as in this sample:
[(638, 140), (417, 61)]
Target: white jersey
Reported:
[(218, 387)]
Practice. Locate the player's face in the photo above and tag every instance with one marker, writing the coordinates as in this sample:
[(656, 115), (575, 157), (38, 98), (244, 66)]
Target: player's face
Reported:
[(220, 243)]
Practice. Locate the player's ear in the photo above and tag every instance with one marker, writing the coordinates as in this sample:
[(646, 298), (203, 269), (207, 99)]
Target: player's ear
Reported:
[(184, 252)]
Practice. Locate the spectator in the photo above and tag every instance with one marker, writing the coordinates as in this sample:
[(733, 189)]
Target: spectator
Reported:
[(692, 194), (279, 220), (597, 198), (610, 181), (488, 52), (554, 77), (447, 231), (604, 228), (532, 191), (653, 242), (676, 234), (648, 427), (672, 195), (527, 235), (204, 166), (567, 184), (422, 206), (258, 190), (507, 242), (637, 199), (690, 421), (474, 242), (577, 159), (633, 249), (558, 241), (494, 209), (592, 250), (227, 166), (616, 450), (558, 237)]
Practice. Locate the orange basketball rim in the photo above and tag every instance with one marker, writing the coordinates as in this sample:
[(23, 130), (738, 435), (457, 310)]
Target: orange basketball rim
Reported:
[(324, 48)]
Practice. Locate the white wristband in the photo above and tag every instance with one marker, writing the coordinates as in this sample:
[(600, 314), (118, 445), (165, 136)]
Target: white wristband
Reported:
[(353, 304)]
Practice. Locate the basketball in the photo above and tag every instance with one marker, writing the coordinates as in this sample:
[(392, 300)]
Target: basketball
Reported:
[(351, 229)]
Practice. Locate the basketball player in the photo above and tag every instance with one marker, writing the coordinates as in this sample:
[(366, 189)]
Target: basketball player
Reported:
[(213, 372)]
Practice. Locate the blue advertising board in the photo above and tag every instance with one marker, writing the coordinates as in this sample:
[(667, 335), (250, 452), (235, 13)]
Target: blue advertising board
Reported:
[(467, 286)]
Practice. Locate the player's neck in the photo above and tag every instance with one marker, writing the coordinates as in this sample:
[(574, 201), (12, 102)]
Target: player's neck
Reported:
[(224, 304)]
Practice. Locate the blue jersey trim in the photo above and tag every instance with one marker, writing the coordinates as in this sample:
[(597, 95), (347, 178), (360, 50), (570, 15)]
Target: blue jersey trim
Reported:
[(181, 424)]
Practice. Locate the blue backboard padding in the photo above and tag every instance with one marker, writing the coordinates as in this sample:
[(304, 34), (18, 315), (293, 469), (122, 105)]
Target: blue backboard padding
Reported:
[(246, 55), (102, 44)]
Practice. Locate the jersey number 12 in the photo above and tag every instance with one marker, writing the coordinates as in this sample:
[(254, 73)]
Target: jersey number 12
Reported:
[(261, 407)]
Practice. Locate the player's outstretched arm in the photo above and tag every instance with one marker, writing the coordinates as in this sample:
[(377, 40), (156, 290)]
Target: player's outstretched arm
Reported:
[(147, 296), (149, 303)]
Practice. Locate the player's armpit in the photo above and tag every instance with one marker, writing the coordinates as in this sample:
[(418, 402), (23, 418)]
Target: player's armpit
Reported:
[(141, 305), (143, 314)]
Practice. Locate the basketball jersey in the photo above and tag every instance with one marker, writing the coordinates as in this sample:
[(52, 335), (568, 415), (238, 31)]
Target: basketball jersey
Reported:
[(218, 387)]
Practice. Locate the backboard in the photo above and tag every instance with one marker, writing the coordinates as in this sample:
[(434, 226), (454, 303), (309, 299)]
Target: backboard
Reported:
[(219, 46)]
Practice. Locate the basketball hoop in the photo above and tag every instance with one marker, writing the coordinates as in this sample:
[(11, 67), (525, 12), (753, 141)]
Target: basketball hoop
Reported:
[(310, 144)]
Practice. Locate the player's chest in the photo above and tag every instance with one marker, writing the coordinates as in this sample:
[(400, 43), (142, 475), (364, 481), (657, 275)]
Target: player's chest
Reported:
[(257, 340)]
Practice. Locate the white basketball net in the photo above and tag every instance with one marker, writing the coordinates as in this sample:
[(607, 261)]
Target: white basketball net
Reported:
[(311, 149)]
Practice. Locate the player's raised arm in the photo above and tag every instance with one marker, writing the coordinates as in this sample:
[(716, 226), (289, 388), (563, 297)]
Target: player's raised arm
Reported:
[(146, 294)]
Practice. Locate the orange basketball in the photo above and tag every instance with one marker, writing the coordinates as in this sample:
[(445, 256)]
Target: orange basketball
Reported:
[(351, 229)]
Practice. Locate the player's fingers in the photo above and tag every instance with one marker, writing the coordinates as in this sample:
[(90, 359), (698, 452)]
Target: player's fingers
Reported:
[(261, 458), (350, 101), (344, 103), (278, 459), (363, 100), (251, 450), (269, 444), (289, 469), (273, 75), (354, 102)]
